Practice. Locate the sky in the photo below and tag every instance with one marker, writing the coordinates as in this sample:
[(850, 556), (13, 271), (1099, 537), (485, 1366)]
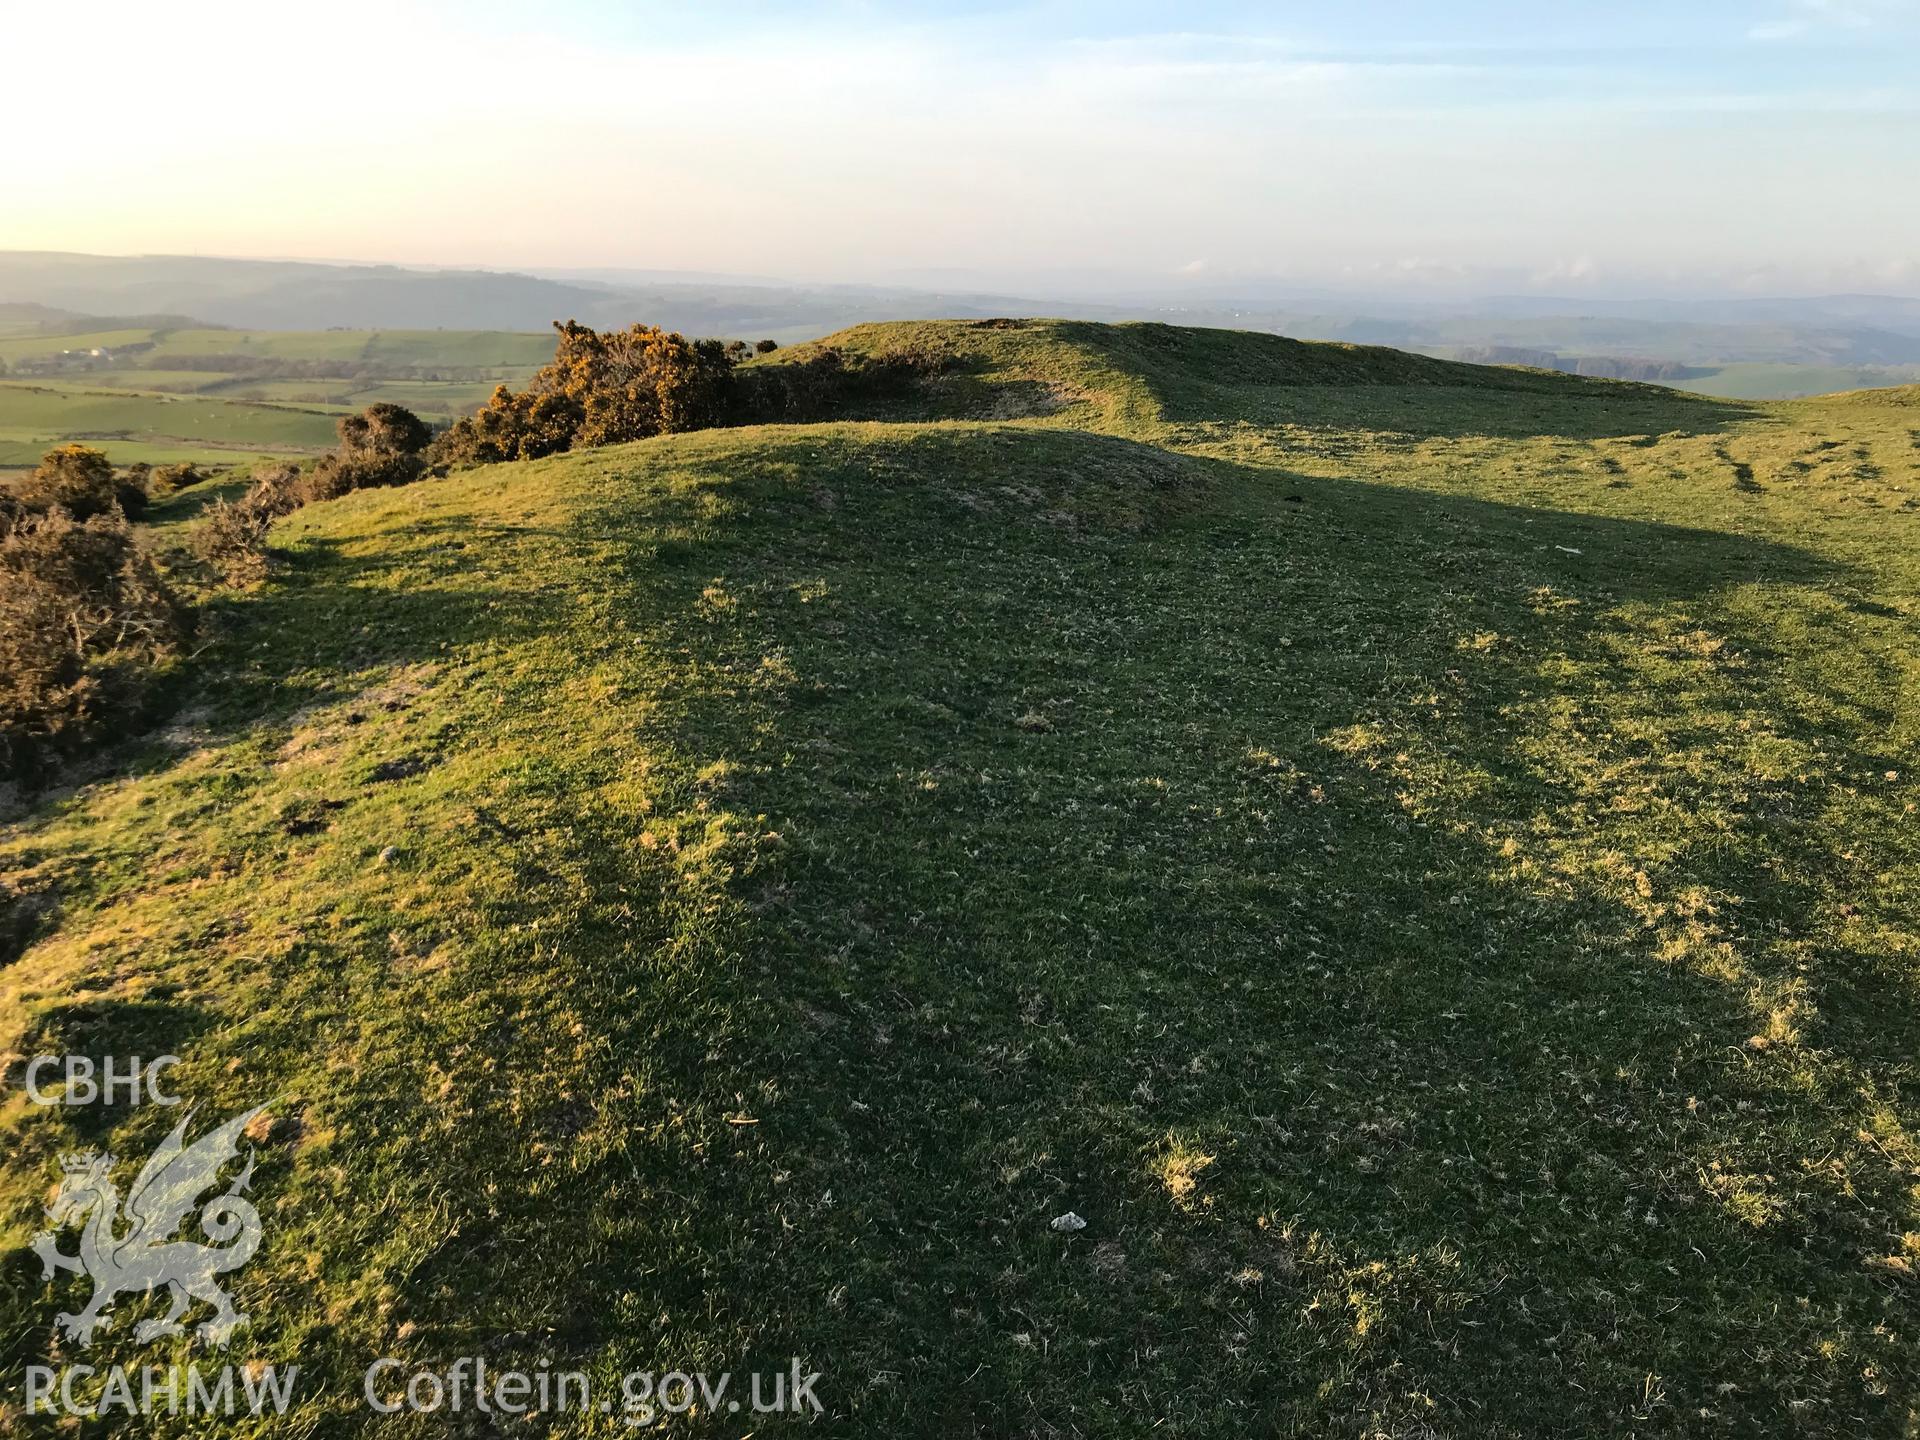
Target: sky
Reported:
[(1478, 146)]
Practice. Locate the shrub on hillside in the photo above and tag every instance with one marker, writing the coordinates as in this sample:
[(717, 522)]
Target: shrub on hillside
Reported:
[(233, 543), (383, 445), (83, 614), (634, 383), (78, 480), (605, 388), (384, 429), (232, 536), (514, 425), (345, 471), (829, 382), (166, 479), (802, 390), (601, 388), (277, 490)]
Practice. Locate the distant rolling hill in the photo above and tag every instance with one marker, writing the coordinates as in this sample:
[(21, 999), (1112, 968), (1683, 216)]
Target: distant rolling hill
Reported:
[(294, 295), (1778, 345)]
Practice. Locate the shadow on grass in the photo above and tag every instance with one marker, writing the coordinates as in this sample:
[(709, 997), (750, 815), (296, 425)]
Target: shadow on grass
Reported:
[(335, 614), (106, 1031), (1197, 376), (1156, 874), (1183, 954), (187, 505)]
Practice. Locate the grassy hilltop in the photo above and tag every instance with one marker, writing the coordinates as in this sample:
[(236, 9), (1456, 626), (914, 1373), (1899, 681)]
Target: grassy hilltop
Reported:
[(1422, 858)]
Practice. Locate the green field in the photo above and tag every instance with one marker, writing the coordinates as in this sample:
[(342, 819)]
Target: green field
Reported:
[(484, 348), (1763, 381), (492, 349), (35, 418), (439, 374), (25, 347), (432, 399), (1421, 858), (161, 382)]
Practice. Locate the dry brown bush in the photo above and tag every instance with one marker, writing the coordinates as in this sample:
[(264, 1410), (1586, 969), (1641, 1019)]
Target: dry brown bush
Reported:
[(232, 536), (84, 615), (601, 388), (80, 481)]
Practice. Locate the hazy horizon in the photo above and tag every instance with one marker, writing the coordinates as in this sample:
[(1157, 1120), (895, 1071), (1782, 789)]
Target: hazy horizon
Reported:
[(1749, 148), (1084, 287)]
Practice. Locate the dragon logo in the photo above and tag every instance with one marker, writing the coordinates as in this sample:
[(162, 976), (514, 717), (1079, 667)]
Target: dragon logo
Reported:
[(146, 1256)]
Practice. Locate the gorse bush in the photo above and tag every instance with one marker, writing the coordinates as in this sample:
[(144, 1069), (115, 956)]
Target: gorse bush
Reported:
[(232, 537), (346, 471), (600, 388), (633, 383), (166, 479), (232, 541), (603, 388), (380, 446), (829, 382), (513, 425), (80, 481), (85, 612), (84, 615), (384, 429)]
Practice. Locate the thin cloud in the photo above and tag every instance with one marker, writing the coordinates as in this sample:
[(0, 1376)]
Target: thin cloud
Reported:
[(1812, 15)]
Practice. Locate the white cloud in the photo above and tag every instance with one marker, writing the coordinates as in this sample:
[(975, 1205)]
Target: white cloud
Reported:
[(1810, 15), (1582, 270)]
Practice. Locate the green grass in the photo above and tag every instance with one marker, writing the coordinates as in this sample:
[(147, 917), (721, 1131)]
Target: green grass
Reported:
[(160, 382), (131, 403), (130, 426), (22, 347), (1423, 859), (433, 399), (168, 520), (509, 351), (437, 400), (407, 348)]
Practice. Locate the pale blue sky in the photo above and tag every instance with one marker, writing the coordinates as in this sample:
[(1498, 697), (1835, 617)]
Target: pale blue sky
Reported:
[(1728, 145)]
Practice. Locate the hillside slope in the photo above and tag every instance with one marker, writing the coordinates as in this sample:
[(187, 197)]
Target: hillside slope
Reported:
[(1138, 378), (1420, 858)]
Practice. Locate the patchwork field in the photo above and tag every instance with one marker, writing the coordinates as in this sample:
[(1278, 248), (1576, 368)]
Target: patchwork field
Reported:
[(1422, 859), (495, 349), (132, 426), (273, 392)]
